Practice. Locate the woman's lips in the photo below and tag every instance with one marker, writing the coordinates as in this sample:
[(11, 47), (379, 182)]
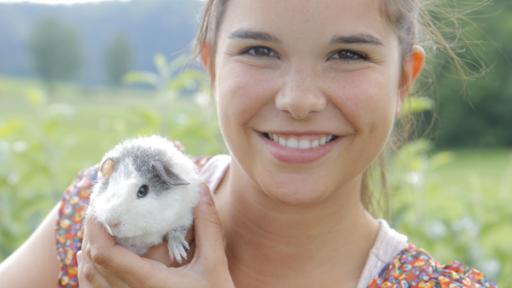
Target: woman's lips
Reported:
[(298, 149)]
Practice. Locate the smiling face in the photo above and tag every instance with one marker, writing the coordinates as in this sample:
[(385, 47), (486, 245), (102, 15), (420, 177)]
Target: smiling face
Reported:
[(307, 92)]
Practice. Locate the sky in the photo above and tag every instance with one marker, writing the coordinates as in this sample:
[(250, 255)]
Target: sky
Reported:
[(57, 2)]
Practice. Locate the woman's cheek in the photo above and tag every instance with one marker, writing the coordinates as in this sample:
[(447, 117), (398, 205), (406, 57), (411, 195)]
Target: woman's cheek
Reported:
[(367, 100), (242, 91)]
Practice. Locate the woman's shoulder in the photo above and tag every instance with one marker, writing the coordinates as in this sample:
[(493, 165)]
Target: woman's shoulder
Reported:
[(414, 267)]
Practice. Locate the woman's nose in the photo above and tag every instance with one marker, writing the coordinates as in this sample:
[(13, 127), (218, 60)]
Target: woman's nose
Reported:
[(300, 96)]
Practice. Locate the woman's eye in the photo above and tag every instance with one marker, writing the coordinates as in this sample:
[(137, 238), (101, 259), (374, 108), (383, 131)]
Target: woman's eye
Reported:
[(260, 51), (349, 55)]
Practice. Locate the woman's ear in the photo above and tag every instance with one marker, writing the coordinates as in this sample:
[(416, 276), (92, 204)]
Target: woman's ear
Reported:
[(206, 60), (411, 69), (205, 57)]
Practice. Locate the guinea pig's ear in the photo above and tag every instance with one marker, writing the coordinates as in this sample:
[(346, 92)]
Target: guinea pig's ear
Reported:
[(107, 168), (167, 175)]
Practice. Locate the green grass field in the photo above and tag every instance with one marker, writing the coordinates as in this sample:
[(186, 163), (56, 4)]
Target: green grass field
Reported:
[(477, 185), (481, 177), (455, 204), (481, 168), (480, 182)]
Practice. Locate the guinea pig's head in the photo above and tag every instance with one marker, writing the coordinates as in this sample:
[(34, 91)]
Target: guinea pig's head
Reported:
[(141, 192)]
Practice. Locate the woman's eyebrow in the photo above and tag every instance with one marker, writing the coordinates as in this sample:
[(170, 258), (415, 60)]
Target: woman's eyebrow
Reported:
[(356, 39), (252, 35), (246, 34)]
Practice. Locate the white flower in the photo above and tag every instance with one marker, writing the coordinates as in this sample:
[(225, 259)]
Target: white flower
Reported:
[(416, 179), (19, 146), (467, 224), (436, 229)]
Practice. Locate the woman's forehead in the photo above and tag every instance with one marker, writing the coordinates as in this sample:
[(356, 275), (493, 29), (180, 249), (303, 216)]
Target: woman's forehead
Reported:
[(303, 18)]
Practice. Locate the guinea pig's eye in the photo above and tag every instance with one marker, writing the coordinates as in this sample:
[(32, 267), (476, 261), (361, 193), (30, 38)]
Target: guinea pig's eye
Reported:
[(143, 191)]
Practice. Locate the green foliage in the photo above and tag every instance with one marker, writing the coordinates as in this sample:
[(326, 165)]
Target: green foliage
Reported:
[(417, 104), (472, 109), (442, 200), (56, 51), (452, 212), (28, 172), (172, 77), (118, 58)]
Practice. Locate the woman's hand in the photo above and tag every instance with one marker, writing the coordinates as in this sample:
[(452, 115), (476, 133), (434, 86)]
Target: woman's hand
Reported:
[(105, 264)]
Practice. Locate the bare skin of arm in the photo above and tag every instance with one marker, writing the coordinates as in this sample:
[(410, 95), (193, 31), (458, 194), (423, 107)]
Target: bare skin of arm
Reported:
[(35, 263)]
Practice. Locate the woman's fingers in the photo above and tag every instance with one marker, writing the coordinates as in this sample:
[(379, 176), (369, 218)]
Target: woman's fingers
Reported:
[(88, 276), (209, 237), (126, 265), (210, 243)]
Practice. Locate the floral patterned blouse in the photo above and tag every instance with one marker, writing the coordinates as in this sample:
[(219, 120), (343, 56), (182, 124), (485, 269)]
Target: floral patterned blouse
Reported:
[(411, 267)]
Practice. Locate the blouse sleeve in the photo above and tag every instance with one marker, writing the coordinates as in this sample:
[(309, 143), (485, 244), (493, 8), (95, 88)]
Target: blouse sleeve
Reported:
[(414, 267), (69, 226)]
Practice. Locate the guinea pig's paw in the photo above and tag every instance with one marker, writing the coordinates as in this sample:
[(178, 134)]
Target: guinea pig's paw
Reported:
[(177, 244)]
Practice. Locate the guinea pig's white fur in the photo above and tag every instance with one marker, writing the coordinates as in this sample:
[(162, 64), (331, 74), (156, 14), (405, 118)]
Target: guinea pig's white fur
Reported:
[(166, 211)]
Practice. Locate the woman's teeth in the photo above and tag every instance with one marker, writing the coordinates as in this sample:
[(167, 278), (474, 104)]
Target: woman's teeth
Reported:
[(300, 142)]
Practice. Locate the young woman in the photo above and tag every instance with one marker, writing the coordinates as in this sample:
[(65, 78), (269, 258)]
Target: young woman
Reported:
[(307, 94)]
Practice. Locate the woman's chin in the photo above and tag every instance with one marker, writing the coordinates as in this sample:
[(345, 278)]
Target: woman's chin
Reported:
[(297, 195)]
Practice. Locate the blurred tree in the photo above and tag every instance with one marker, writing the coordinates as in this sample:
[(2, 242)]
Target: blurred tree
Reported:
[(56, 51), (118, 59), (473, 110)]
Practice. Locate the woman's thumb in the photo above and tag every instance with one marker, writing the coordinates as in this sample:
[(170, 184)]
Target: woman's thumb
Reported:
[(209, 234)]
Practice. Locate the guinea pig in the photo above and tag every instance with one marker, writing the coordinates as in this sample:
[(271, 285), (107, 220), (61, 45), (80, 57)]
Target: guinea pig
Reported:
[(146, 192)]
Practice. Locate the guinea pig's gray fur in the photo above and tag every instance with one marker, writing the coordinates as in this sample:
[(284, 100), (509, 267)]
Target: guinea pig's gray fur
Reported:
[(146, 192)]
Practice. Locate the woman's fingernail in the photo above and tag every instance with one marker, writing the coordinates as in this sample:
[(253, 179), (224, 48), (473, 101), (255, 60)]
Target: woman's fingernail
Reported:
[(79, 257)]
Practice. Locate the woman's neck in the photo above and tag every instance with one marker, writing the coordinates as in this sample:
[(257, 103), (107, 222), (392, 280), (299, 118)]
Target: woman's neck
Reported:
[(271, 244)]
